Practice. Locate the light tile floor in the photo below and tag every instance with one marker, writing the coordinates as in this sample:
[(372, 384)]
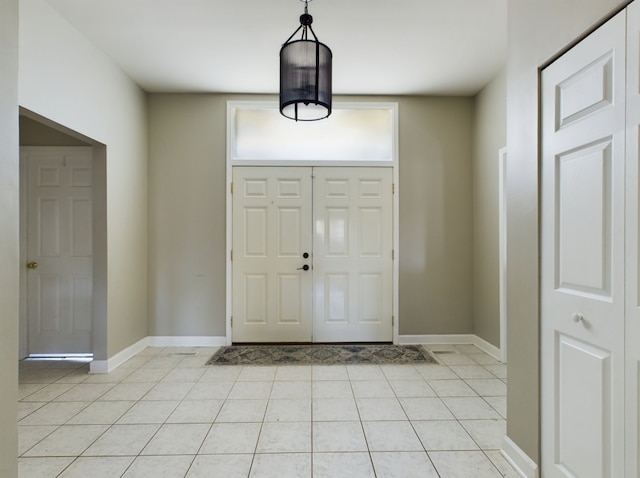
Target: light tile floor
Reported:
[(164, 413)]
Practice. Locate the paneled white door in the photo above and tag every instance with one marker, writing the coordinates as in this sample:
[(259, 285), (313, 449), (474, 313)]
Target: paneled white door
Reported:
[(59, 249), (312, 254), (353, 248), (271, 235), (582, 258)]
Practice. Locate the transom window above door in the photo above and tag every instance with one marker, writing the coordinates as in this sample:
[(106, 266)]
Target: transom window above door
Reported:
[(355, 133)]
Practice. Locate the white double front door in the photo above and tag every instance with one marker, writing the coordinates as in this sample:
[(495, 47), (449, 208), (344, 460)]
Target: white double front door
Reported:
[(312, 254)]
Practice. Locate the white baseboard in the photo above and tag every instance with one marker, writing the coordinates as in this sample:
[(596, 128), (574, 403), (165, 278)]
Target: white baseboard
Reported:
[(109, 365), (488, 348), (456, 339), (184, 341), (520, 461), (106, 366)]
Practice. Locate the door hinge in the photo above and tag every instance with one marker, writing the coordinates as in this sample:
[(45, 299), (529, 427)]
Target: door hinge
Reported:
[(393, 188), (231, 187), (231, 255), (231, 323), (393, 321), (393, 254)]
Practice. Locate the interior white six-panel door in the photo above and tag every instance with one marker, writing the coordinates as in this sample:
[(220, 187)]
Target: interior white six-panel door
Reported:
[(59, 249), (583, 261), (342, 219)]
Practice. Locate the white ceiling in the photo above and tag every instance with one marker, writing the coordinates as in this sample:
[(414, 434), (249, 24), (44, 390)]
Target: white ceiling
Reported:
[(380, 47)]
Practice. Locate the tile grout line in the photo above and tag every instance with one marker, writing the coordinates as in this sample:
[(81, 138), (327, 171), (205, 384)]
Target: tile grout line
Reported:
[(373, 467)]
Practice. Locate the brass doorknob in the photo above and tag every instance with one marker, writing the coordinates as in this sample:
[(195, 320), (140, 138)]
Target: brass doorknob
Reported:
[(32, 265)]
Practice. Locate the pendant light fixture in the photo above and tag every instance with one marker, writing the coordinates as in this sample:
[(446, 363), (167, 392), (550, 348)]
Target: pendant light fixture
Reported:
[(305, 74)]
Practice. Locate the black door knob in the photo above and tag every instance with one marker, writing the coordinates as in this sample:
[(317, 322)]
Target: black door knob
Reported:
[(304, 268), (305, 255)]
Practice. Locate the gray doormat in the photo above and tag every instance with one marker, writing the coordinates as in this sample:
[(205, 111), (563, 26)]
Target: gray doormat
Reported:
[(321, 354)]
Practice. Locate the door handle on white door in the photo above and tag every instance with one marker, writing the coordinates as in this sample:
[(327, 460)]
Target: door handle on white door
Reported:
[(32, 265), (303, 268), (577, 317)]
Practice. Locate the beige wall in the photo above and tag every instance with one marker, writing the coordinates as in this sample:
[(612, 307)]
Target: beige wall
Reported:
[(538, 31), (489, 136), (64, 78), (33, 133), (187, 208), (9, 249), (435, 216)]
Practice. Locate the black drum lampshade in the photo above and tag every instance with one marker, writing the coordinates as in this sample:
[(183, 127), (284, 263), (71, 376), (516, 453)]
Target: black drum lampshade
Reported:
[(305, 75)]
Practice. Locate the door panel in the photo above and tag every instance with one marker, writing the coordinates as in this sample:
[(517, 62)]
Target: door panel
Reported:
[(353, 246), (582, 258), (60, 242), (583, 408), (271, 233)]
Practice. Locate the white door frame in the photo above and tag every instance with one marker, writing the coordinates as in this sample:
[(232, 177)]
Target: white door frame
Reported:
[(231, 162), (100, 282)]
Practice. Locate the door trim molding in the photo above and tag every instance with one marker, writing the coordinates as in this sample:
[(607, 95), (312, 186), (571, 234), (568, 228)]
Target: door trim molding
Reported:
[(502, 246), (230, 163)]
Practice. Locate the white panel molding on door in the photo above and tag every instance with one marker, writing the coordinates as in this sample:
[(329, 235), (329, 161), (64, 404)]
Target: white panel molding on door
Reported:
[(582, 258), (59, 249), (353, 247)]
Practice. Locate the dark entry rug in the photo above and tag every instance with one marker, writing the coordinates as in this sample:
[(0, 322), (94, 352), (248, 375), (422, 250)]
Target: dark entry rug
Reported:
[(321, 354)]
